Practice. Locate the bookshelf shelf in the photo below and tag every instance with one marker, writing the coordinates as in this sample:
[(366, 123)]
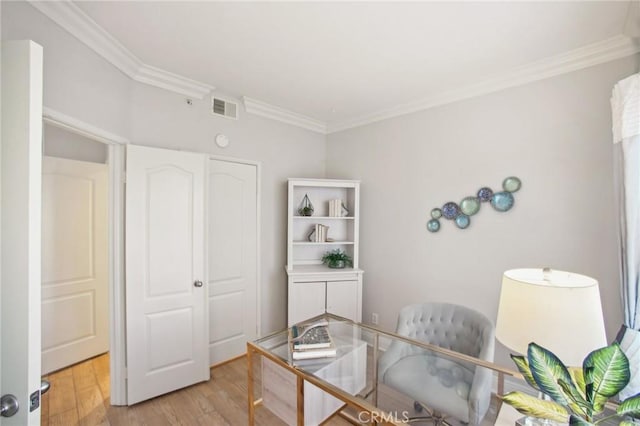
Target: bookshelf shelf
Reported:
[(316, 218), (325, 243)]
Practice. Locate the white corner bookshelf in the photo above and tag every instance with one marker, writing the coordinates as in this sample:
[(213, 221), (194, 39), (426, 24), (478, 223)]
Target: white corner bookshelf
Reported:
[(313, 287)]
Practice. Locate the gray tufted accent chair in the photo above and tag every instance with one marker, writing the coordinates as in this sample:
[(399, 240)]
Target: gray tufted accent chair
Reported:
[(452, 387)]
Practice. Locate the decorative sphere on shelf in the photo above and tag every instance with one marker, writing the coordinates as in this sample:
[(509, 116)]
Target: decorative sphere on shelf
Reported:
[(436, 213)]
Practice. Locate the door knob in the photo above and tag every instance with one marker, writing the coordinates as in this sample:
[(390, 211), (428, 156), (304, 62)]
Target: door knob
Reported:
[(44, 387), (8, 405), (198, 283)]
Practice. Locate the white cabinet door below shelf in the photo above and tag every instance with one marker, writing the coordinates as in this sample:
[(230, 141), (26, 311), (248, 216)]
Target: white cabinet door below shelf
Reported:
[(342, 299), (306, 300)]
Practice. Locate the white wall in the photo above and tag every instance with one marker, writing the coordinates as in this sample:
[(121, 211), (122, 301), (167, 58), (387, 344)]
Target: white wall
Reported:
[(553, 134), (64, 144), (76, 80), (82, 85)]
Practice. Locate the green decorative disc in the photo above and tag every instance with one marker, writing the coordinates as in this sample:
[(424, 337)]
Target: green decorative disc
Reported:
[(436, 213), (470, 205), (511, 184), (433, 225)]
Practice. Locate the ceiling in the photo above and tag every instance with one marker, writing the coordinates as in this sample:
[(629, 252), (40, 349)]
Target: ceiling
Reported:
[(341, 62)]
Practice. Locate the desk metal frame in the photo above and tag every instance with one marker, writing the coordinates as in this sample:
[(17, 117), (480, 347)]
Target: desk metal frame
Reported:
[(254, 349)]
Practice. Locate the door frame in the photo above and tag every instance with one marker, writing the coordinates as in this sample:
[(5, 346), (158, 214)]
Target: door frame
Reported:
[(115, 219), (258, 167)]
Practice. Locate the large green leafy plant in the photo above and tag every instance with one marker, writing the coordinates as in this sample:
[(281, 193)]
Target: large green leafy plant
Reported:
[(578, 395)]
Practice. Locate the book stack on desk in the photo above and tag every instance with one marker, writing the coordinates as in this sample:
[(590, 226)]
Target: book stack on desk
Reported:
[(309, 341)]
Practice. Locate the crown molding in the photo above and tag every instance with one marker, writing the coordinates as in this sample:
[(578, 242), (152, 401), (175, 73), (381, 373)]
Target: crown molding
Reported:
[(73, 19), (74, 125), (597, 53), (263, 109)]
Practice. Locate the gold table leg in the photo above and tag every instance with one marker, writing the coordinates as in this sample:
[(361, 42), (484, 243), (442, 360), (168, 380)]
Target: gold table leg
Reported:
[(250, 386), (300, 399)]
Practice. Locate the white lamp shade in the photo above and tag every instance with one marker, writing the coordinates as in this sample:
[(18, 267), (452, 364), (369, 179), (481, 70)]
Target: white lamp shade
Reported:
[(558, 310)]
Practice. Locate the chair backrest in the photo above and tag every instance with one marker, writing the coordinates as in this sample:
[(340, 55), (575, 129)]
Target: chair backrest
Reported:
[(450, 326)]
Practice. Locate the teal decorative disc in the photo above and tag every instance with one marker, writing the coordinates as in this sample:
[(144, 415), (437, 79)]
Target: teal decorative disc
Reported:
[(511, 184), (462, 221), (502, 201), (470, 205), (436, 213), (433, 225)]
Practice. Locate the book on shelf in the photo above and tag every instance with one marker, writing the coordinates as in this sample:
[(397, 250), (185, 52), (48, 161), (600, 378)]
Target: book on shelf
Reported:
[(310, 341), (335, 208), (320, 233)]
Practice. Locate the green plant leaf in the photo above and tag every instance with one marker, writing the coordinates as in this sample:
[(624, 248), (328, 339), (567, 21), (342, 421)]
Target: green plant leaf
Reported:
[(577, 376), (532, 406), (577, 421), (577, 402), (547, 370), (627, 423), (523, 367), (606, 372), (630, 406)]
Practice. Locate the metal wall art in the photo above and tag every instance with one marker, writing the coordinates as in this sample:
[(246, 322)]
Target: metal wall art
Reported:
[(461, 213)]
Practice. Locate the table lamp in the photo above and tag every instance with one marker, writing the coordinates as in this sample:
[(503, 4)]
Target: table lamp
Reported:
[(558, 310)]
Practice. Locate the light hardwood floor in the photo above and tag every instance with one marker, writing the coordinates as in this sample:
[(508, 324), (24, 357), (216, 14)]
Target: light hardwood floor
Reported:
[(79, 395)]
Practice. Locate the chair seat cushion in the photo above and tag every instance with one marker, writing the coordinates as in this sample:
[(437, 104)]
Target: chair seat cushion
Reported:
[(442, 382)]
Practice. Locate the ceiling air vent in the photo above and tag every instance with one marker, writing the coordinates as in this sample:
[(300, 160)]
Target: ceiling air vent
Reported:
[(224, 108)]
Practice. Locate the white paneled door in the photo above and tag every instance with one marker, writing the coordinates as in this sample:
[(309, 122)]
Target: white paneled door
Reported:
[(232, 263), (166, 301), (74, 262), (21, 203)]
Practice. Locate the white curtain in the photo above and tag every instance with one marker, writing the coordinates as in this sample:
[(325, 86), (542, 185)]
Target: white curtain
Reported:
[(625, 108)]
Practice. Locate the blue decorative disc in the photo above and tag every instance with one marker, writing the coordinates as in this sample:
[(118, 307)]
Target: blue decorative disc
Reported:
[(511, 184), (485, 194), (502, 201), (462, 221), (450, 210), (433, 225), (470, 205), (436, 213)]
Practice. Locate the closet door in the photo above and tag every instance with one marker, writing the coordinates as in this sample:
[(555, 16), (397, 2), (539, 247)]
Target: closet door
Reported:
[(232, 258), (166, 299)]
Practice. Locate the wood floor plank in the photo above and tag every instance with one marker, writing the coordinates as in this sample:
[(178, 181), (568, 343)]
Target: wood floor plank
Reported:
[(62, 395), (91, 410), (66, 418), (83, 375)]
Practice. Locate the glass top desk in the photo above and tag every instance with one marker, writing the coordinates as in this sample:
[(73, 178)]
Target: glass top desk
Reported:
[(307, 392)]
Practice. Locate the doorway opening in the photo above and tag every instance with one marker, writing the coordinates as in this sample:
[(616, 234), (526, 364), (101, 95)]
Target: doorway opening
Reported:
[(71, 140), (75, 266)]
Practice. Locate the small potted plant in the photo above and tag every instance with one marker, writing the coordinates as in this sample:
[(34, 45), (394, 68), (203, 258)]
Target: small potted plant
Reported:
[(306, 208), (337, 259)]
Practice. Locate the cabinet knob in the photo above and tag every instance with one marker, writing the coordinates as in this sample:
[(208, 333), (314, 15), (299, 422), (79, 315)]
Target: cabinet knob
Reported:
[(197, 283)]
